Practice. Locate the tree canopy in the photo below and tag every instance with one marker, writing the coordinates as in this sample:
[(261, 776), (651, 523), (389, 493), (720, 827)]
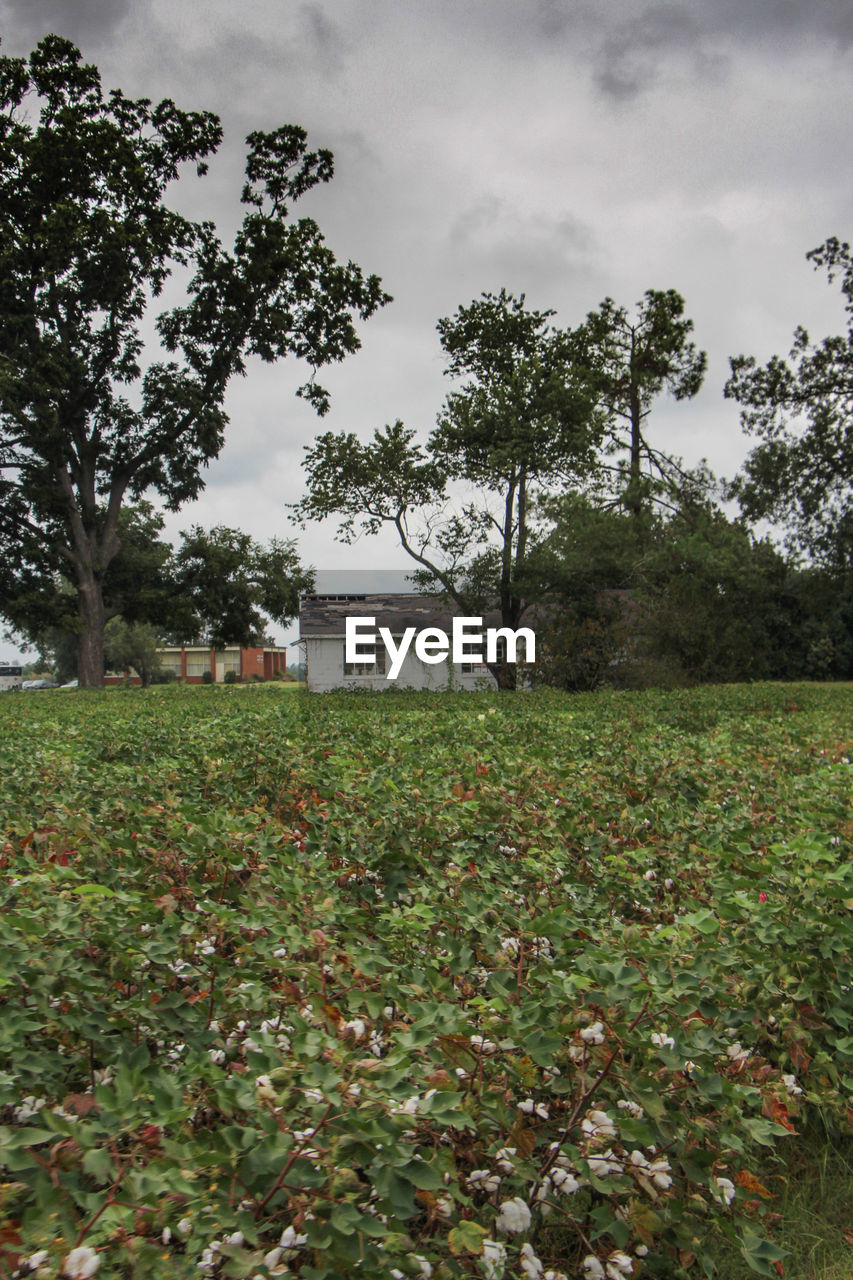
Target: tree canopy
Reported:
[(519, 419), (228, 587), (629, 361), (86, 244), (801, 409)]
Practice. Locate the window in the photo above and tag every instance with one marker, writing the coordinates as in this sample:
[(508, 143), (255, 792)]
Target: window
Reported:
[(481, 668), (170, 660), (231, 660), (374, 668), (197, 662)]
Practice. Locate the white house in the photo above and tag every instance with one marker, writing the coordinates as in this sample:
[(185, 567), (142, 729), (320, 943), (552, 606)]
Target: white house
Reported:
[(323, 631)]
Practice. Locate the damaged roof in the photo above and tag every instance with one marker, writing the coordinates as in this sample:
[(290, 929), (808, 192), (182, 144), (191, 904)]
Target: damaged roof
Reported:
[(326, 615)]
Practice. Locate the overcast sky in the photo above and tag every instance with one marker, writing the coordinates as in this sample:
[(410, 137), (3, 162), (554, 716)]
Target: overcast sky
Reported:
[(565, 149)]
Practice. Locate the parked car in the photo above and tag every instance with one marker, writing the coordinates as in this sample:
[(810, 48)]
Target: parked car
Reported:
[(40, 684)]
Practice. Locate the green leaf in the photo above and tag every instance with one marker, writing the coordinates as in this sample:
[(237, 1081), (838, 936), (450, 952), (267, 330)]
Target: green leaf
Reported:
[(467, 1237)]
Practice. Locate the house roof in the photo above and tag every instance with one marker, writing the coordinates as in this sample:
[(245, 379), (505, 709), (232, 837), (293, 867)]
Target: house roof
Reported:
[(326, 615)]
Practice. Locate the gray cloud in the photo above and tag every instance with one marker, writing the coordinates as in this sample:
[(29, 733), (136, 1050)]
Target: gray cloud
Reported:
[(86, 22)]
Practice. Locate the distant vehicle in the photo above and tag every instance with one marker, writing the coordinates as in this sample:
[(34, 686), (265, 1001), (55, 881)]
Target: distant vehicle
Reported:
[(10, 678), (40, 684)]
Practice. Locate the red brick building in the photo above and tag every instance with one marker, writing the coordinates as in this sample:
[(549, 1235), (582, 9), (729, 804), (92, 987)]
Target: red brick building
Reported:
[(190, 661)]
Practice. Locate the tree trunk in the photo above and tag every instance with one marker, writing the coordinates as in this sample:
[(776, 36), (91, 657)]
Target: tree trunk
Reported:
[(90, 644)]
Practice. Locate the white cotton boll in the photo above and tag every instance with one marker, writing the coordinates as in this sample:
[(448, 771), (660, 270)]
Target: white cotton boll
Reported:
[(504, 1159), (662, 1041), (425, 1267), (604, 1165), (565, 1181), (723, 1191), (217, 1056), (618, 1264), (81, 1263), (273, 1258), (530, 1107), (494, 1259), (236, 1237), (530, 1264), (592, 1268), (737, 1053), (544, 1190), (36, 1259), (593, 1034), (597, 1125), (513, 1216), (633, 1108), (790, 1083), (290, 1239), (484, 1180), (184, 1227), (650, 875)]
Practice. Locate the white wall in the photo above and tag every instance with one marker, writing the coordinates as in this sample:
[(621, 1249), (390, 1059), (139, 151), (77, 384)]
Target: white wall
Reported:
[(325, 659)]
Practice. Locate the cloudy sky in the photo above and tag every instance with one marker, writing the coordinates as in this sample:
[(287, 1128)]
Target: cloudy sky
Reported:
[(565, 149)]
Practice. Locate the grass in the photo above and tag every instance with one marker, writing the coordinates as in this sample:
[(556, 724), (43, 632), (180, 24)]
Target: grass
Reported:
[(813, 1183)]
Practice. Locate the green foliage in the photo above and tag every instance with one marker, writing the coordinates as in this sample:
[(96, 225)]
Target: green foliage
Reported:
[(230, 677), (801, 472), (628, 362), (696, 598), (132, 646), (86, 243), (231, 586), (207, 677), (520, 420), (368, 981)]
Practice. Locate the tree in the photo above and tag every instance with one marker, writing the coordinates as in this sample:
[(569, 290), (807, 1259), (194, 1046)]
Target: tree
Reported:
[(228, 587), (584, 565), (712, 598), (520, 420), (802, 411), (40, 601), (630, 361), (86, 242), (133, 646)]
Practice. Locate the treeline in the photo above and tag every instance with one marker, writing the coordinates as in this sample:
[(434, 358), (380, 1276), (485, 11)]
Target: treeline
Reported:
[(541, 491)]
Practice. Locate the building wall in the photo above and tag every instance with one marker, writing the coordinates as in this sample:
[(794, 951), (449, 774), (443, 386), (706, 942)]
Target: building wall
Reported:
[(325, 659), (189, 663)]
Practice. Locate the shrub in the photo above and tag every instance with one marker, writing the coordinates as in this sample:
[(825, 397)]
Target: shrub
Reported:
[(207, 677), (231, 677)]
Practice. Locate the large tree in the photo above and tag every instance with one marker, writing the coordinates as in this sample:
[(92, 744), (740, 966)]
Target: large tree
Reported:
[(228, 587), (631, 359), (519, 420), (801, 410), (39, 600), (86, 243)]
